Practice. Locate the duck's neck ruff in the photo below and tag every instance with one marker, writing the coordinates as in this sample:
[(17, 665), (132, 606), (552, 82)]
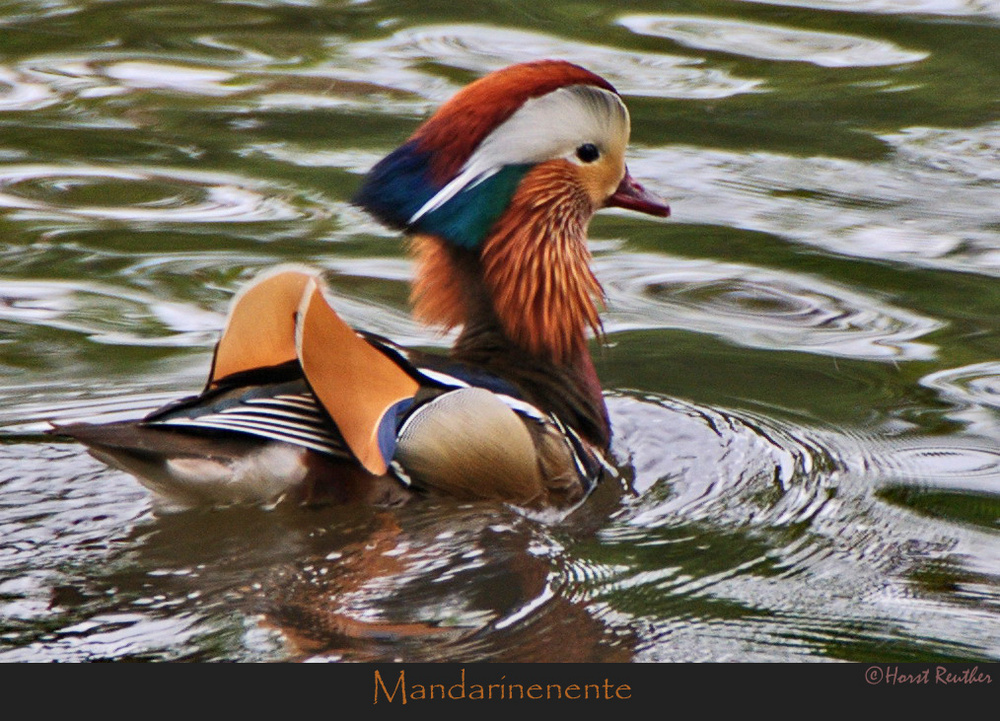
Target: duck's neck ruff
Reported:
[(534, 266)]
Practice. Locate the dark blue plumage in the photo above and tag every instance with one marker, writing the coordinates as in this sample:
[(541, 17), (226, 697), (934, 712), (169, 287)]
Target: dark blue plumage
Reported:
[(401, 184), (398, 186)]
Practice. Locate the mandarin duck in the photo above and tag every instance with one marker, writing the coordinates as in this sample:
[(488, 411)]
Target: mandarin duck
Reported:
[(495, 192)]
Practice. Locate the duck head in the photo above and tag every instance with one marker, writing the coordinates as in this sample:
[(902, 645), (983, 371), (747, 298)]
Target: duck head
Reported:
[(497, 189)]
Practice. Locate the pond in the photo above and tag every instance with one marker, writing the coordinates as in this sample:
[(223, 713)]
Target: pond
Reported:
[(802, 364)]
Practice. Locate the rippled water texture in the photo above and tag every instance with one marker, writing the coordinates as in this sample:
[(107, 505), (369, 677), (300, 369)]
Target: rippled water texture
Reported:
[(802, 364)]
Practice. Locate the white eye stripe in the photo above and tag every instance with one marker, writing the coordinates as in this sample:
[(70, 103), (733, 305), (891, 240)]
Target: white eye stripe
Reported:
[(550, 126), (553, 125)]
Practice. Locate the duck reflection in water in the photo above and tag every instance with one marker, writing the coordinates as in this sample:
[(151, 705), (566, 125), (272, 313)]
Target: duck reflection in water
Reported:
[(464, 584)]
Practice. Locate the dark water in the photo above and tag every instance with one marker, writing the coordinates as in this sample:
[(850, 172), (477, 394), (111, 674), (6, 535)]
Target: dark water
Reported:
[(802, 366)]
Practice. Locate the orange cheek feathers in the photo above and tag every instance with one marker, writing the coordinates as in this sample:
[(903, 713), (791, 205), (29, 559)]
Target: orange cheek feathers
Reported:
[(537, 265)]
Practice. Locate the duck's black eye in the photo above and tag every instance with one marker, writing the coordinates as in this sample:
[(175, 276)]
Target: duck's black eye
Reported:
[(588, 153)]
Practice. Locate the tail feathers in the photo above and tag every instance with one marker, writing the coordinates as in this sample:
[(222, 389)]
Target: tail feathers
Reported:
[(284, 316), (186, 469)]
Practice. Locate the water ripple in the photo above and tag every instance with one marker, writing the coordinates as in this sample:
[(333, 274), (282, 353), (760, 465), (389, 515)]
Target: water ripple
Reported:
[(483, 48), (772, 42), (115, 73), (955, 465), (769, 531), (953, 480), (967, 156), (149, 75), (986, 8), (976, 384), (49, 529), (159, 195), (759, 308), (931, 202), (113, 636), (694, 463), (106, 314), (17, 92), (243, 78), (38, 416)]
